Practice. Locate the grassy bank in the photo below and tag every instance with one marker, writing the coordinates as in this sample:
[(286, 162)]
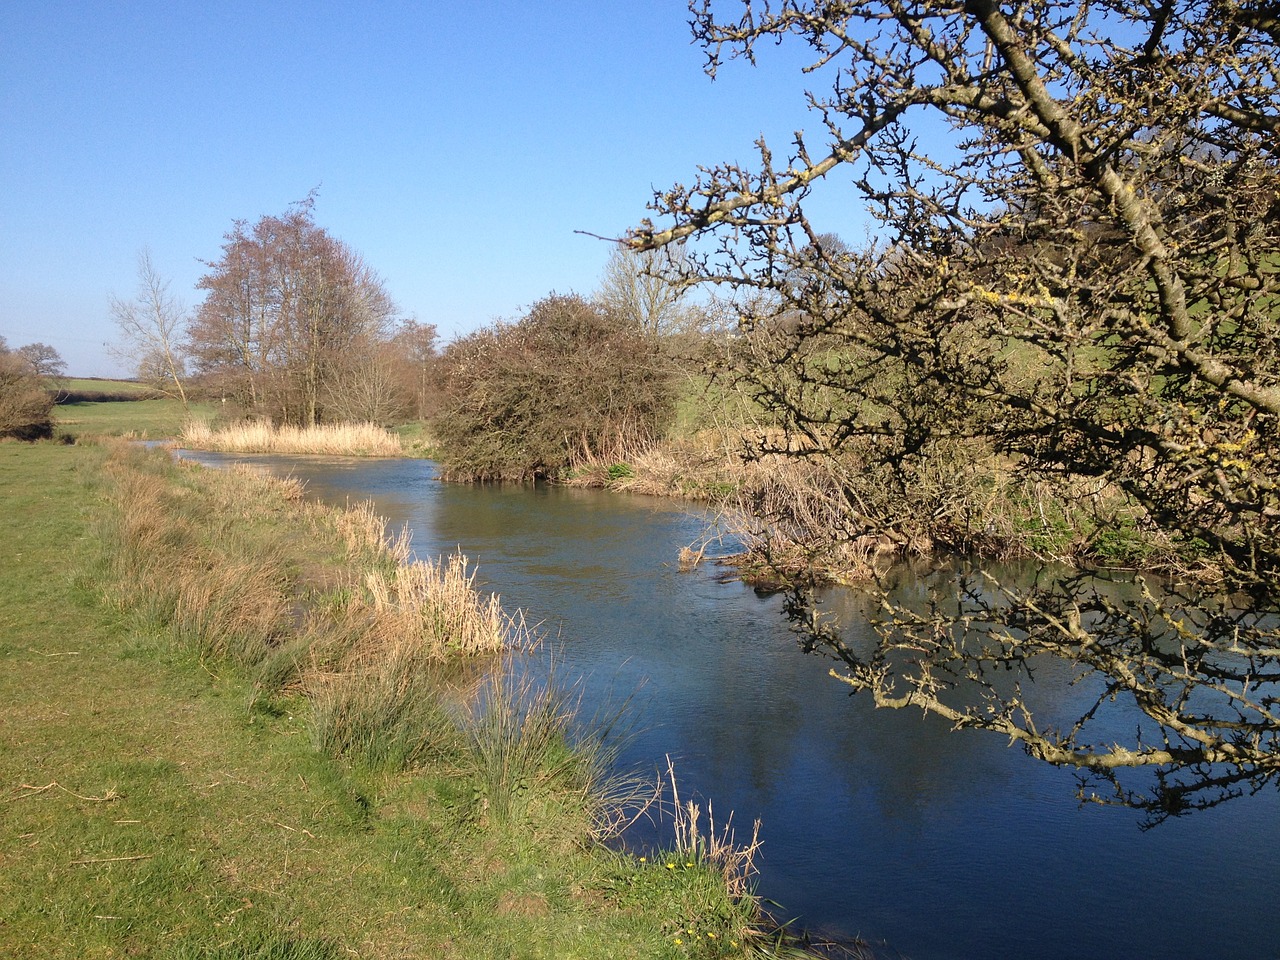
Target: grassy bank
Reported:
[(191, 772)]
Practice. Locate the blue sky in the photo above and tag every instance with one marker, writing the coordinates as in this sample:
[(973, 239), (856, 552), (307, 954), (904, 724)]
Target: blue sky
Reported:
[(456, 147)]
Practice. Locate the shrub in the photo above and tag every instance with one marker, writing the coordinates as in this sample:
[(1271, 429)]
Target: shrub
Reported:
[(569, 382), (25, 405)]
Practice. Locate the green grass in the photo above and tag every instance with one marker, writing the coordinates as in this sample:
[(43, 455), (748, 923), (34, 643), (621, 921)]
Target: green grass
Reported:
[(158, 804), (415, 440), (141, 419), (96, 385)]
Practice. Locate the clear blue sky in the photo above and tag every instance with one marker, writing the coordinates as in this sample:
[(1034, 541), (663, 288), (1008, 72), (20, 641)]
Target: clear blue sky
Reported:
[(457, 147)]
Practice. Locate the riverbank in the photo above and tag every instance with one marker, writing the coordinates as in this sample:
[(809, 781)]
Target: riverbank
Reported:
[(831, 516), (172, 796)]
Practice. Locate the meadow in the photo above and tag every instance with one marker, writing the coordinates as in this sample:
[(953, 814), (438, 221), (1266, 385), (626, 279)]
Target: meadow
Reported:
[(149, 418)]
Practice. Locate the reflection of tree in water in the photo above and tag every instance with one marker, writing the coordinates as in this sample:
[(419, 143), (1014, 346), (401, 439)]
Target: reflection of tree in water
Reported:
[(1171, 672), (768, 721)]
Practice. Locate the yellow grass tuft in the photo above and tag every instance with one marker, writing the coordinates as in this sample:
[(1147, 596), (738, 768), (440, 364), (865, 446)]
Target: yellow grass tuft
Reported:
[(436, 607), (364, 533)]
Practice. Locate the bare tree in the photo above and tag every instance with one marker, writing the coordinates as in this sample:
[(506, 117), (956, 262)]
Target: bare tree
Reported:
[(1077, 267), (286, 307), (152, 326), (45, 361), (365, 387), (415, 361), (47, 365), (647, 288)]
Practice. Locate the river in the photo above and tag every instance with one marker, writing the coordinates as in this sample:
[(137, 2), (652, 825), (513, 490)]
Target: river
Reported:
[(883, 825)]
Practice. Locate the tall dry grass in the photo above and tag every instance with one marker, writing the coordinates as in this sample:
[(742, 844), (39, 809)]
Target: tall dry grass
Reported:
[(436, 604), (717, 846), (315, 600), (331, 439), (382, 664), (364, 533), (697, 467), (226, 603)]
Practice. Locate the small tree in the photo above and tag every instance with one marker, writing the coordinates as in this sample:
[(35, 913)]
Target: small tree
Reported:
[(1077, 267), (152, 326)]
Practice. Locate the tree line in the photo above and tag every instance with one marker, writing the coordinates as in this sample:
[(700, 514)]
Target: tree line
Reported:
[(293, 327), (296, 328)]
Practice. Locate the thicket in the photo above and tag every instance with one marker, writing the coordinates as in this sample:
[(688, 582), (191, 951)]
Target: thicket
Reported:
[(569, 384), (26, 405)]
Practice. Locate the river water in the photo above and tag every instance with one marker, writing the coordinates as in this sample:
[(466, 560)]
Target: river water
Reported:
[(882, 825)]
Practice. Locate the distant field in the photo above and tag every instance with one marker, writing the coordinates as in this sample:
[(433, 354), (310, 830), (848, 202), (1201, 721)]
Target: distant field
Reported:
[(144, 419), (97, 385)]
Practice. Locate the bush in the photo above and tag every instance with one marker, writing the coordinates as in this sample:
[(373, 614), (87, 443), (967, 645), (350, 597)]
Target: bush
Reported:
[(26, 407), (568, 383)]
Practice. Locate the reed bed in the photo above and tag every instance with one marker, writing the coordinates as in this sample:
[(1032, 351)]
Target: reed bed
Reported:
[(218, 557), (329, 439)]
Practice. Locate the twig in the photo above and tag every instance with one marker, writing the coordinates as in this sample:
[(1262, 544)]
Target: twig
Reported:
[(595, 236), (110, 795), (139, 856)]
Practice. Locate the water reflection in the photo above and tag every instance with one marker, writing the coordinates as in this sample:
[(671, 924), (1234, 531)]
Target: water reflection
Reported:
[(880, 824)]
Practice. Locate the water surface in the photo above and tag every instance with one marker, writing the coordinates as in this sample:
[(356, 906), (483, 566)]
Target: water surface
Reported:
[(877, 824)]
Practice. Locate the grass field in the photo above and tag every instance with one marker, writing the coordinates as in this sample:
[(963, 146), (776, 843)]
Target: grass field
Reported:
[(98, 385), (139, 419), (156, 803)]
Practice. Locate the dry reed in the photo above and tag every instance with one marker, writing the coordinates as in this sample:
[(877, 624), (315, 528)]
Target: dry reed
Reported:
[(718, 847), (364, 533), (437, 604), (331, 439)]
